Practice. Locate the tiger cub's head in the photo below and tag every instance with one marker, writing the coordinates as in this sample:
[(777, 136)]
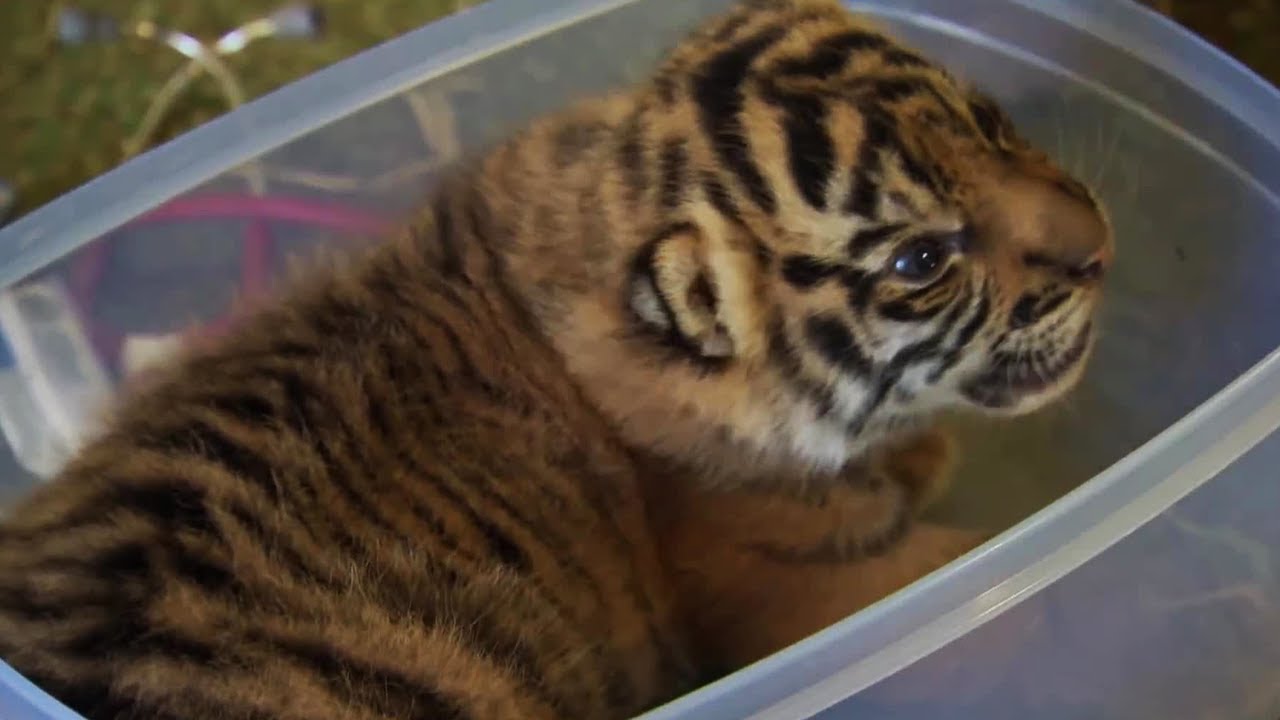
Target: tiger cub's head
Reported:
[(817, 237)]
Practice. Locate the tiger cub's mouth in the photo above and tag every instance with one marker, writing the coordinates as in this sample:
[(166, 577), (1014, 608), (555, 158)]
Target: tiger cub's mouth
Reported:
[(1019, 382)]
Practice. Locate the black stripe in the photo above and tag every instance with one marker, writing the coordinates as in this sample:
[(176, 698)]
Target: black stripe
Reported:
[(883, 130), (903, 58), (123, 565), (1035, 259), (905, 312), (975, 322), (488, 487), (865, 193), (836, 344), (93, 697), (667, 87), (989, 118), (419, 312), (881, 134), (859, 285), (127, 562), (719, 197), (571, 141), (170, 505), (505, 550), (601, 495), (466, 366), (503, 547), (321, 429), (248, 408), (385, 427), (386, 691), (212, 444), (335, 315), (451, 262), (878, 132), (806, 271), (1053, 302), (24, 603), (952, 355), (674, 162), (963, 338), (920, 172), (477, 215), (923, 173), (868, 239), (785, 357), (918, 352), (279, 549), (830, 55), (891, 90), (500, 544), (1025, 311), (810, 152), (203, 572), (408, 298), (631, 158), (511, 649), (129, 634), (178, 509), (717, 90), (277, 348)]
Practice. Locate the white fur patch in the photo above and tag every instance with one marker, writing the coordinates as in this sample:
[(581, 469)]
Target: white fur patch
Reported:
[(824, 447)]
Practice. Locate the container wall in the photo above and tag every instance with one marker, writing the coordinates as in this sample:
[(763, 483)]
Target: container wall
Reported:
[(1177, 621)]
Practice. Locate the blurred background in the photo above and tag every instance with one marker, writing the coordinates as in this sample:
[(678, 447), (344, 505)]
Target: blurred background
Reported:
[(79, 83), (77, 96)]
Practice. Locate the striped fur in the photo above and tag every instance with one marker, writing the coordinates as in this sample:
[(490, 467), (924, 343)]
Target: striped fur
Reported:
[(649, 355), (382, 499)]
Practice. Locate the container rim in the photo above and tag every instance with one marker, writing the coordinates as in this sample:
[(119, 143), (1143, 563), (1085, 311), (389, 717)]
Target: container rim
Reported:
[(886, 637)]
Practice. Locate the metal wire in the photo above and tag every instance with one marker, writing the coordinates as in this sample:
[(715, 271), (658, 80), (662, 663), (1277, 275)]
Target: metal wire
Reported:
[(296, 20)]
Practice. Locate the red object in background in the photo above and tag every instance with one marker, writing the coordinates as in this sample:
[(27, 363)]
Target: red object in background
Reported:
[(89, 266)]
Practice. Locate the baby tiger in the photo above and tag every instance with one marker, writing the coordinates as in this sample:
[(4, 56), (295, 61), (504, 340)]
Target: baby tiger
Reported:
[(646, 374)]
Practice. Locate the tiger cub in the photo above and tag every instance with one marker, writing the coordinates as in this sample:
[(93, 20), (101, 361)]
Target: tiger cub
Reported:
[(645, 375)]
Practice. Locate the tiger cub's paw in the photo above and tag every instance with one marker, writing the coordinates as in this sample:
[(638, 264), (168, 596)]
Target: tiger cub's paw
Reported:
[(922, 465)]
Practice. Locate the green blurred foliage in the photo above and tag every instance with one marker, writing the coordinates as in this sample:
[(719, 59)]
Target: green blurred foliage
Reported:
[(65, 112)]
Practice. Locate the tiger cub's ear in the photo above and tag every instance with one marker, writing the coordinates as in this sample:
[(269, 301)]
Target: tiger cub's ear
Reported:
[(673, 291)]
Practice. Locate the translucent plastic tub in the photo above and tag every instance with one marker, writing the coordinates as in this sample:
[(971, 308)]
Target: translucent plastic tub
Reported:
[(1139, 575)]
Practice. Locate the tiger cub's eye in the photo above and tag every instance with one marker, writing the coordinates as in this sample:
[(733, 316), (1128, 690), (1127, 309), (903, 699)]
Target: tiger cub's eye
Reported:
[(921, 259)]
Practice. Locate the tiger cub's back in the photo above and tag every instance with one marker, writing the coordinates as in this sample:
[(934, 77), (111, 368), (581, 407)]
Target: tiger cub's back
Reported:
[(388, 498), (381, 499)]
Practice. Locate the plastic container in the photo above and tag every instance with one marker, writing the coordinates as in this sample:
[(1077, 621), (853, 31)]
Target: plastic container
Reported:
[(1140, 572)]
